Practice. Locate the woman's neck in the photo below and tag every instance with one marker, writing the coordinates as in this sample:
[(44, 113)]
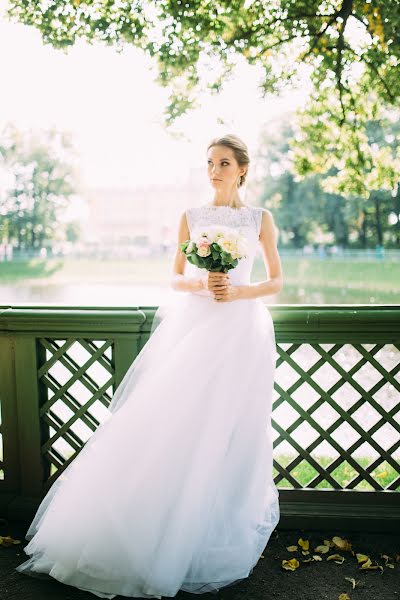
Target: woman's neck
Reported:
[(221, 198), (234, 202)]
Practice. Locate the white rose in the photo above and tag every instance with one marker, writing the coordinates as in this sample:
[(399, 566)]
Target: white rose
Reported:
[(203, 251), (228, 245)]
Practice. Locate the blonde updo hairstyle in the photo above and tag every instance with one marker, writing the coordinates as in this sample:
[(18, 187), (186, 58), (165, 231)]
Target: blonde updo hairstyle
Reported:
[(239, 148)]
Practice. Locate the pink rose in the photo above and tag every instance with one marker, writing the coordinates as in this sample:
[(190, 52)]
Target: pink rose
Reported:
[(204, 242)]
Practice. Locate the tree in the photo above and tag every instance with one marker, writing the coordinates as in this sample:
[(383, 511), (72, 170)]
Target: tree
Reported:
[(41, 182), (346, 47), (363, 153), (360, 159), (195, 42), (302, 206)]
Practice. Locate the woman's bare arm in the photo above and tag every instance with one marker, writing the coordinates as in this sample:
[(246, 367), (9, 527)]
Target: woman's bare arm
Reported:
[(268, 240), (180, 281)]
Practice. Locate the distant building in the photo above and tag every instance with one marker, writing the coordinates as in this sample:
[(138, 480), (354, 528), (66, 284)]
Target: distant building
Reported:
[(151, 211), (148, 212)]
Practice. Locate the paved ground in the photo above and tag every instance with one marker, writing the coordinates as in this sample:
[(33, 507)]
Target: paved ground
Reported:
[(322, 580)]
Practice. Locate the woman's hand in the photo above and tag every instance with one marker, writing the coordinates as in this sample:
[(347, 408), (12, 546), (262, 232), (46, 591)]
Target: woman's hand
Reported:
[(220, 285)]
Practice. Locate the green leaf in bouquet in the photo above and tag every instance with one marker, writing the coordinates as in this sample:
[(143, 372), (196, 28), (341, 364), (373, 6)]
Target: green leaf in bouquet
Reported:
[(195, 259)]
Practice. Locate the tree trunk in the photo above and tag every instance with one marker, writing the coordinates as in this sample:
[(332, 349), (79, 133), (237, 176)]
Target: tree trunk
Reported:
[(363, 230), (396, 202), (378, 224)]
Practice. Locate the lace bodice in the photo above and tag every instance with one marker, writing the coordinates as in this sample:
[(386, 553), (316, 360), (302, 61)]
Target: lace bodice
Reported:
[(246, 219)]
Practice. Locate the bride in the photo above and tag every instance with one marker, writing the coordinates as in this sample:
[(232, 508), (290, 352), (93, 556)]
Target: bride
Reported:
[(174, 491)]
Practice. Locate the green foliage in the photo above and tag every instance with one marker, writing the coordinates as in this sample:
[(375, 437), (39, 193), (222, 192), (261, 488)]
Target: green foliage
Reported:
[(361, 154), (73, 232), (307, 209), (41, 182), (330, 37), (349, 48)]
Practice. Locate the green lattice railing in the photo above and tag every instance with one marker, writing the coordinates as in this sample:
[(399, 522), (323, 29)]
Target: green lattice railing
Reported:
[(336, 411)]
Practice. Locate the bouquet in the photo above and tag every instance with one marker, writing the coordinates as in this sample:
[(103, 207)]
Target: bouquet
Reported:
[(215, 248)]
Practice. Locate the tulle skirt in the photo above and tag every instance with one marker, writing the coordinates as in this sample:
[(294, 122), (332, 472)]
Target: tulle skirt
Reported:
[(174, 490)]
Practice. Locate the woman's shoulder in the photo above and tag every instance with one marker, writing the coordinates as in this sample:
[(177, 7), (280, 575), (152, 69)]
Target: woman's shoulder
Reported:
[(192, 210), (213, 206)]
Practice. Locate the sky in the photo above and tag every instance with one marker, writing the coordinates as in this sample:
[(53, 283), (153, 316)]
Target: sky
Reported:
[(110, 103)]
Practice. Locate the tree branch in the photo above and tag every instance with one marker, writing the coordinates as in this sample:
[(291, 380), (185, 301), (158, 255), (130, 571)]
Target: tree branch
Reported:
[(346, 12), (375, 70)]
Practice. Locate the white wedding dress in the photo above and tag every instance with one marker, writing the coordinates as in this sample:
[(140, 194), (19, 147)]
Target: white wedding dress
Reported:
[(174, 490)]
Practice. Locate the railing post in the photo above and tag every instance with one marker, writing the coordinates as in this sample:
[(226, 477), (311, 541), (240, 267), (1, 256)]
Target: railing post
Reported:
[(125, 351), (28, 410), (9, 420)]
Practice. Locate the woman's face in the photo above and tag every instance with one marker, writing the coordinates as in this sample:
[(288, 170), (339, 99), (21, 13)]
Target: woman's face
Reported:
[(223, 168)]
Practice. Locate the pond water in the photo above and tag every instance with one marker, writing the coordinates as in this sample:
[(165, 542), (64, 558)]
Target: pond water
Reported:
[(84, 294), (118, 294)]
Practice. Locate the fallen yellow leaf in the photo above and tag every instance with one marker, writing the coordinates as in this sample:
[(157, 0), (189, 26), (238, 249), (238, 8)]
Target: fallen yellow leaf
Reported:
[(368, 566), (388, 561), (7, 540), (361, 557), (322, 549), (291, 565), (305, 544), (291, 548), (341, 543), (344, 597), (337, 558), (352, 581)]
